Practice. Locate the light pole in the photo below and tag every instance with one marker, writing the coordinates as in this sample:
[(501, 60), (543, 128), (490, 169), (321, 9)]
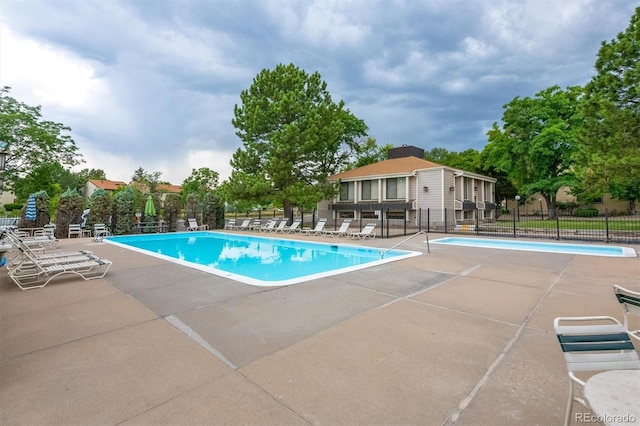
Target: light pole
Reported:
[(541, 216), (518, 207), (3, 158)]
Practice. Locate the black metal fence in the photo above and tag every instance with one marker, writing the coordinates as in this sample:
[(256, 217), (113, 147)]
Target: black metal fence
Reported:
[(566, 225)]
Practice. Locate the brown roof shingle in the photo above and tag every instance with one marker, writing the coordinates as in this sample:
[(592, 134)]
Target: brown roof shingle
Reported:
[(109, 185), (163, 187), (386, 167)]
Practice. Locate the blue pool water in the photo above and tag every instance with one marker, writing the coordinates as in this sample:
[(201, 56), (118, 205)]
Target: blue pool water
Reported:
[(254, 260), (593, 250)]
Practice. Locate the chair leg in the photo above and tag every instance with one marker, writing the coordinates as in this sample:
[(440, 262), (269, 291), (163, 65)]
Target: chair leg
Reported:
[(567, 416)]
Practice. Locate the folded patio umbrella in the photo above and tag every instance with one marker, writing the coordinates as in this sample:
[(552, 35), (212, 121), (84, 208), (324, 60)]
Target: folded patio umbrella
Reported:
[(30, 213), (149, 208)]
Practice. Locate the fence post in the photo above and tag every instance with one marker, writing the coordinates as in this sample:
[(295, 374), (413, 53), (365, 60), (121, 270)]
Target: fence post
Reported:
[(405, 221), (557, 225), (428, 219), (477, 221), (387, 223), (514, 225), (445, 220), (606, 225)]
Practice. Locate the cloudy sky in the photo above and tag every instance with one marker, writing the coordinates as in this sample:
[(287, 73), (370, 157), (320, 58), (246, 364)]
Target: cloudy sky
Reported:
[(153, 83)]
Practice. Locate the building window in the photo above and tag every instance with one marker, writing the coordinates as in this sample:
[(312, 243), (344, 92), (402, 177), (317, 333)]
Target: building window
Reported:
[(370, 190), (396, 188), (369, 215), (598, 200), (396, 214), (346, 215), (347, 191)]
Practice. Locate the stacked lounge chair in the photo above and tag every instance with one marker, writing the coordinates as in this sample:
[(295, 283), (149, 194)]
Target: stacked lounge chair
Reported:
[(35, 269)]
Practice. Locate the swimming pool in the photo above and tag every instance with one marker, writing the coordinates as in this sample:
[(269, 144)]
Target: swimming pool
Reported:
[(259, 261), (591, 250)]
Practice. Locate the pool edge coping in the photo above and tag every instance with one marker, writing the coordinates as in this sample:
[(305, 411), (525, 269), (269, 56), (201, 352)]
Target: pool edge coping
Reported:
[(262, 283)]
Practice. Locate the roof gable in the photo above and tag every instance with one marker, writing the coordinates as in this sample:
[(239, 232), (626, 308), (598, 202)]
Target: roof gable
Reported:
[(109, 185), (405, 165), (169, 188)]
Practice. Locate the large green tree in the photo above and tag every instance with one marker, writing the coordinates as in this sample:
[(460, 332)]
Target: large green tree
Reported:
[(609, 156), (294, 136), (369, 152), (150, 180), (200, 182), (537, 141), (30, 141)]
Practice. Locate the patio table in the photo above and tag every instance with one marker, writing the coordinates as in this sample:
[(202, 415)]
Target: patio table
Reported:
[(614, 396)]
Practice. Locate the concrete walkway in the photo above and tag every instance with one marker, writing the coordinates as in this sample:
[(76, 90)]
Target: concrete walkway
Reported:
[(456, 336)]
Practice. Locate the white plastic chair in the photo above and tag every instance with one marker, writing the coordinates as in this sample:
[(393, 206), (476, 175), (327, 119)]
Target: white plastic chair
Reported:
[(75, 229), (598, 343), (630, 301), (100, 231)]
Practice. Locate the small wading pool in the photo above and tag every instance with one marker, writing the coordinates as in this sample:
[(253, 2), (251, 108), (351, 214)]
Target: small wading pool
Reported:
[(591, 250), (259, 261)]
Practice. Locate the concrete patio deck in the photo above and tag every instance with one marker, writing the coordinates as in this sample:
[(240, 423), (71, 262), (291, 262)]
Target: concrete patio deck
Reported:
[(456, 336)]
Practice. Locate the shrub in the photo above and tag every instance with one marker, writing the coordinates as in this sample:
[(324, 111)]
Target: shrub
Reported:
[(13, 206), (100, 204), (172, 208), (124, 212), (586, 212), (192, 206), (69, 211), (213, 211)]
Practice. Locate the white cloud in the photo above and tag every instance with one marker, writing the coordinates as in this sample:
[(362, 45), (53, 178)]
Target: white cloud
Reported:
[(330, 23), (153, 85)]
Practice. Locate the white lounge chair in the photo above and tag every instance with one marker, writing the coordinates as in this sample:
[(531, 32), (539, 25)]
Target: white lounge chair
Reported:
[(193, 224), (269, 226), (295, 227), (20, 261), (255, 225), (244, 225), (281, 226), (340, 232), (44, 271), (231, 224), (367, 232), (30, 270), (317, 230)]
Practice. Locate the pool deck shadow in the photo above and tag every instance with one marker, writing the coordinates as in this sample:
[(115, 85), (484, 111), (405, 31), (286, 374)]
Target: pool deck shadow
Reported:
[(456, 336)]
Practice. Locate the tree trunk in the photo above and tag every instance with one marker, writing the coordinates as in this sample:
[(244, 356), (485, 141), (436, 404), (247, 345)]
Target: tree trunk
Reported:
[(288, 208)]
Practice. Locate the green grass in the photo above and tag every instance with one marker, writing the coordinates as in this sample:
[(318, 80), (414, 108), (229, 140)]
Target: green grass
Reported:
[(579, 224)]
